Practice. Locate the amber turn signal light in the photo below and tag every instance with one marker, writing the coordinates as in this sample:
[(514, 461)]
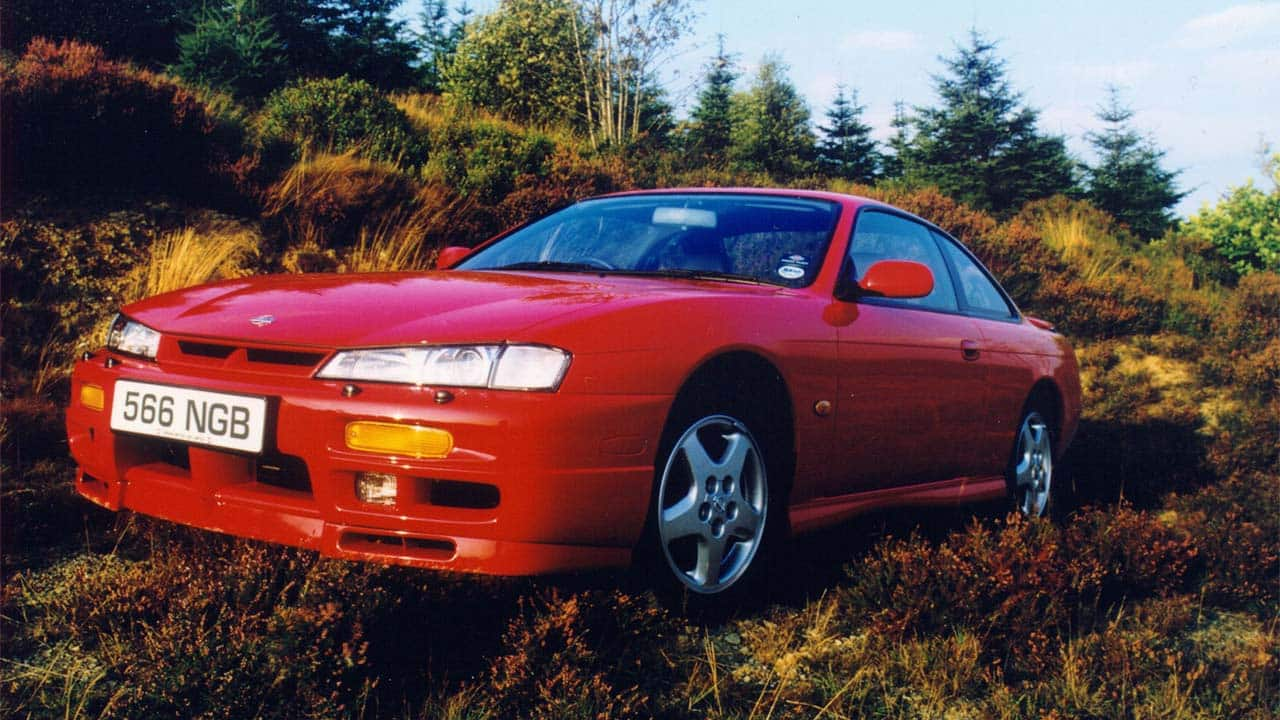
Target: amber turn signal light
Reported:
[(393, 438), (92, 397)]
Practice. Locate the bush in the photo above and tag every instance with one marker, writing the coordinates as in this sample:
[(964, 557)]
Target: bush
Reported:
[(484, 157), (223, 633), (61, 279), (335, 115), (588, 655), (76, 121)]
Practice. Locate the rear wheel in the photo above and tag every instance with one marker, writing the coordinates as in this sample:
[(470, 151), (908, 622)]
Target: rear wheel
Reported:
[(1031, 467)]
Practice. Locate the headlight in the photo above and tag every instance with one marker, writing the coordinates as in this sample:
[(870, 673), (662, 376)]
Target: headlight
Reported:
[(132, 337), (505, 367)]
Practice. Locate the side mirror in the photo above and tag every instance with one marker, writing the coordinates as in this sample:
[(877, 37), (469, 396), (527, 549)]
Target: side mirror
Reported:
[(897, 279), (450, 256)]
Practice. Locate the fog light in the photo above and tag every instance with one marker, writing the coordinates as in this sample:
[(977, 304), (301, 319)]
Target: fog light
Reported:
[(376, 488), (408, 440), (92, 397)]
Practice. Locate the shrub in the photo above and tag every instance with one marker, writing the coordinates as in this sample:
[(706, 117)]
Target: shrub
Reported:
[(1004, 585), (1236, 528), (484, 157), (61, 279), (335, 115), (77, 121), (1117, 553), (1244, 226), (587, 655)]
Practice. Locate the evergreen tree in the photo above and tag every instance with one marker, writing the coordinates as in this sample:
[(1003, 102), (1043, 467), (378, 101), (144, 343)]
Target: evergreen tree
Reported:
[(847, 149), (982, 146), (771, 125), (306, 29), (709, 137), (232, 47), (1128, 181), (891, 163), (372, 45), (439, 40), (143, 31)]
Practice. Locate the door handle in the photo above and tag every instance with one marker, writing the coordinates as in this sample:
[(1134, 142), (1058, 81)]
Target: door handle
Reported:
[(970, 349)]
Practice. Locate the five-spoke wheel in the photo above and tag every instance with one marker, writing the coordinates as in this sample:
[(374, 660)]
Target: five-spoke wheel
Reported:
[(1032, 466), (712, 498)]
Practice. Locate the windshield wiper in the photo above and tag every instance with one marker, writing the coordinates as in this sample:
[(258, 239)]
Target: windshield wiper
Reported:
[(705, 275), (554, 265)]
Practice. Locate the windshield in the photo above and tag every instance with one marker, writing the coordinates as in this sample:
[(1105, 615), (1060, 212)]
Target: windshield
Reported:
[(760, 238)]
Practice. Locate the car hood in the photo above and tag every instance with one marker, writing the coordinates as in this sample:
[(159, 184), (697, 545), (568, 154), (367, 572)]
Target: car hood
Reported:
[(387, 308)]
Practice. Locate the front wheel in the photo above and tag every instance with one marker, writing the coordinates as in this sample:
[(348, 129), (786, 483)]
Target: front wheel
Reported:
[(1031, 468), (712, 504)]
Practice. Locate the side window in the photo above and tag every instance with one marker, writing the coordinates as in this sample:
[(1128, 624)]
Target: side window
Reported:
[(976, 288), (881, 236)]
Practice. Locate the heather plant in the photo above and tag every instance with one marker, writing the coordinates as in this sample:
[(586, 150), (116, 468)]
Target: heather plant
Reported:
[(76, 121)]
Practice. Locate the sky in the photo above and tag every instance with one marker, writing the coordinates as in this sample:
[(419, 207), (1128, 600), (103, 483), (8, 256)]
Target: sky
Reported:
[(1203, 78)]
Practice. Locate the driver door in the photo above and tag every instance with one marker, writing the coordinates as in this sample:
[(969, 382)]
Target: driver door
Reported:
[(910, 389)]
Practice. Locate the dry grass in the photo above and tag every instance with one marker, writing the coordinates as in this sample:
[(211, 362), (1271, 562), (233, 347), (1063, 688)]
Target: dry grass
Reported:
[(407, 240), (1093, 255), (193, 256)]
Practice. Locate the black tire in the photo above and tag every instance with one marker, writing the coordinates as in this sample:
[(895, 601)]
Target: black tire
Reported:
[(1036, 486), (717, 508)]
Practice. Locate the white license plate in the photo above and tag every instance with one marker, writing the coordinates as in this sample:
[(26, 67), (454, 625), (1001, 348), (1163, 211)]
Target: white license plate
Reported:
[(235, 422)]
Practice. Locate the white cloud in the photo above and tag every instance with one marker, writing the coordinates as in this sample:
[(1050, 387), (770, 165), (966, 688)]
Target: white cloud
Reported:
[(881, 40), (1226, 27)]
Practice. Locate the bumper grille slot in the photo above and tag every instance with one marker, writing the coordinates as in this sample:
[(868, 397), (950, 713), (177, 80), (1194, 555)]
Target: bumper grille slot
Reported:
[(376, 543), (455, 493), (284, 471), (206, 350)]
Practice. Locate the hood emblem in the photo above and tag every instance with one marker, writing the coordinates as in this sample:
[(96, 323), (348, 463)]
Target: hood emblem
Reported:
[(262, 320)]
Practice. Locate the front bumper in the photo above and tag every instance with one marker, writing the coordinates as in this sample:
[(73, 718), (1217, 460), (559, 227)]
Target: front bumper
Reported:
[(573, 473)]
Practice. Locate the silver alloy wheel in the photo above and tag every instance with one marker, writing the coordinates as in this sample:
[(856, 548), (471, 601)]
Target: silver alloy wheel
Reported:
[(1033, 471), (712, 502)]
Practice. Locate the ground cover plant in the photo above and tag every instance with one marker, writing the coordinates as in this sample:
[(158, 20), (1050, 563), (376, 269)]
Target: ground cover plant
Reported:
[(1156, 595)]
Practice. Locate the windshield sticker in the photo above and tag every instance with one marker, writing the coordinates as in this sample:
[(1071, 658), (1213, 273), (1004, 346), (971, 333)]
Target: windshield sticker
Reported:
[(791, 272), (795, 260)]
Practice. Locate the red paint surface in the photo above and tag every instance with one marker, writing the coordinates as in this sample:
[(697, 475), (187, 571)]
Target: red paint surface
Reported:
[(914, 420)]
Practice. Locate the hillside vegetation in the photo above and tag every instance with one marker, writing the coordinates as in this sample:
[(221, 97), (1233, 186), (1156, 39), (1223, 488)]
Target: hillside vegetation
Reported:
[(1157, 596)]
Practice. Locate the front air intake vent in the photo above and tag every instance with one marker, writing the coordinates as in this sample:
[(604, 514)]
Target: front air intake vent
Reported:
[(206, 350), (284, 357)]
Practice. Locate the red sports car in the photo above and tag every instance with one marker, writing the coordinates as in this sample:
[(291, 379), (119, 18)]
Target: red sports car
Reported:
[(687, 375)]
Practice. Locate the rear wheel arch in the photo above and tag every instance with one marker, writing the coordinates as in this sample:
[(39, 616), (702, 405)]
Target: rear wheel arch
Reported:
[(1046, 397)]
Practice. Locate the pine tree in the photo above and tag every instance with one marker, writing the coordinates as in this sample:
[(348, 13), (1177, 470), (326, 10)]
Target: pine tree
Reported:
[(711, 123), (771, 125), (983, 146), (1128, 181), (891, 166), (438, 40), (847, 149), (374, 46), (232, 47)]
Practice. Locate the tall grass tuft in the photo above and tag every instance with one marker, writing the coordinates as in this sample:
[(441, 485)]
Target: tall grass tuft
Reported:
[(408, 240), (189, 257), (1094, 256)]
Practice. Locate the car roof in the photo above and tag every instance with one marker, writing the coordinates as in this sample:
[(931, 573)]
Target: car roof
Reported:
[(842, 198)]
